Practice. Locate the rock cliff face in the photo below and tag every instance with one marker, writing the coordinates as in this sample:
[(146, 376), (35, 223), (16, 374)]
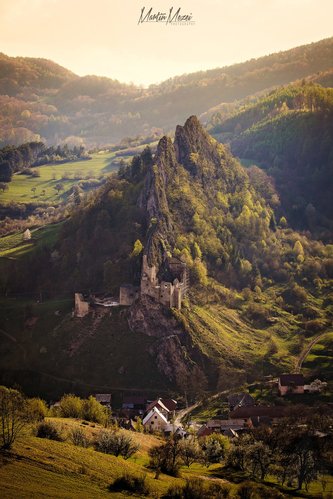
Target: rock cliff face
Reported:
[(153, 201), (151, 318), (172, 349)]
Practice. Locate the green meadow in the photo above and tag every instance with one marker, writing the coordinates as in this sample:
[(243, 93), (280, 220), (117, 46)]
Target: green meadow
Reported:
[(21, 188)]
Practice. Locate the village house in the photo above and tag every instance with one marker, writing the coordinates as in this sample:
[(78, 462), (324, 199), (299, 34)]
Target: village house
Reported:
[(104, 399), (172, 429), (155, 420), (160, 406), (134, 405), (170, 404), (291, 384), (261, 415), (240, 400)]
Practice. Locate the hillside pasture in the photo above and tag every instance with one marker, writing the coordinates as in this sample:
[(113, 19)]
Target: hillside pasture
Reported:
[(21, 188)]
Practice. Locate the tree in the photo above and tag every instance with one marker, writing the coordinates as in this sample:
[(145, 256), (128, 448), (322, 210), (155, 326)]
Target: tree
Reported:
[(13, 416), (190, 451), (197, 251), (302, 462), (137, 424), (77, 194), (5, 171), (59, 187), (214, 448), (259, 458), (298, 251), (166, 458), (283, 222), (137, 248)]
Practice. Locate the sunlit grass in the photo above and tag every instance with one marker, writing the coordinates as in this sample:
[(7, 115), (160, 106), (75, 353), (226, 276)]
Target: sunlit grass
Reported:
[(20, 188)]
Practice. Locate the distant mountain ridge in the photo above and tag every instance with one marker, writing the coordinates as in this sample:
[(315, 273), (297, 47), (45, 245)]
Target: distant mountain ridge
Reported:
[(40, 99)]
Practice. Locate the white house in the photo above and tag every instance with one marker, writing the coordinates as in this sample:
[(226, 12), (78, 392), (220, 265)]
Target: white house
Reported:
[(155, 420), (160, 406), (26, 235)]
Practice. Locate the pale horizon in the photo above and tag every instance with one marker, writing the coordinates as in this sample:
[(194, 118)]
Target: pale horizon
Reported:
[(104, 38)]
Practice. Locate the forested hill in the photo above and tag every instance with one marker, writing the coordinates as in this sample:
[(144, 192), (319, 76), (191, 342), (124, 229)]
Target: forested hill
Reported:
[(41, 100), (258, 290), (290, 134)]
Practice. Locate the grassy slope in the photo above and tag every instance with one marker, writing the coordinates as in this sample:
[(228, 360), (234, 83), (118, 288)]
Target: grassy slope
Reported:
[(320, 358), (39, 467), (20, 188), (44, 468), (14, 246), (61, 354)]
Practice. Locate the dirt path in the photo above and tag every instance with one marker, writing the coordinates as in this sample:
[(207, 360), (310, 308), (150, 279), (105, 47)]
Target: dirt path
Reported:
[(307, 350), (184, 412)]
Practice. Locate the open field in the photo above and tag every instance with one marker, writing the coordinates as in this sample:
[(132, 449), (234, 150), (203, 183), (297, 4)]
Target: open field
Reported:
[(20, 188), (41, 190)]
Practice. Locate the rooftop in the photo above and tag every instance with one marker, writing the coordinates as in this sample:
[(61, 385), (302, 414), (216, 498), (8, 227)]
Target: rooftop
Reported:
[(291, 379)]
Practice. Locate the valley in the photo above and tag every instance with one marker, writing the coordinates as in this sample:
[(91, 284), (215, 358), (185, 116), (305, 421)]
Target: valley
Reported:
[(142, 261)]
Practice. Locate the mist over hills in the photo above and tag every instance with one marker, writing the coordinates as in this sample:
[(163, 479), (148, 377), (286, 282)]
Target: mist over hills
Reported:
[(40, 99)]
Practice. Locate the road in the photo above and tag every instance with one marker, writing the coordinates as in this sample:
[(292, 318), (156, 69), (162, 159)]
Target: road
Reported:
[(307, 350), (184, 412)]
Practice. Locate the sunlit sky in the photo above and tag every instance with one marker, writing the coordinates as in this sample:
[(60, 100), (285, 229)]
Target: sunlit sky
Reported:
[(103, 37)]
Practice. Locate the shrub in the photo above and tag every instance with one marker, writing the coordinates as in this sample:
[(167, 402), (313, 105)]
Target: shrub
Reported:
[(71, 406), (248, 490), (116, 443), (37, 409), (48, 430), (198, 489), (78, 437), (257, 312), (131, 483), (92, 410)]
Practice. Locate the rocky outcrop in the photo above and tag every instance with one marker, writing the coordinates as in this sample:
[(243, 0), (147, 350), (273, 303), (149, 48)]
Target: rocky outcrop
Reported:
[(149, 317), (153, 201), (172, 359)]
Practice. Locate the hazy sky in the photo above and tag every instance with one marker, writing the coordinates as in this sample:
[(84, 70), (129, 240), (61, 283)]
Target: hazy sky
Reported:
[(103, 36)]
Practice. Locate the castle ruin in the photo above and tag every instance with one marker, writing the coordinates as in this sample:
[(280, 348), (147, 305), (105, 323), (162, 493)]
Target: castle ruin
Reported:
[(167, 286), (171, 288), (81, 306)]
